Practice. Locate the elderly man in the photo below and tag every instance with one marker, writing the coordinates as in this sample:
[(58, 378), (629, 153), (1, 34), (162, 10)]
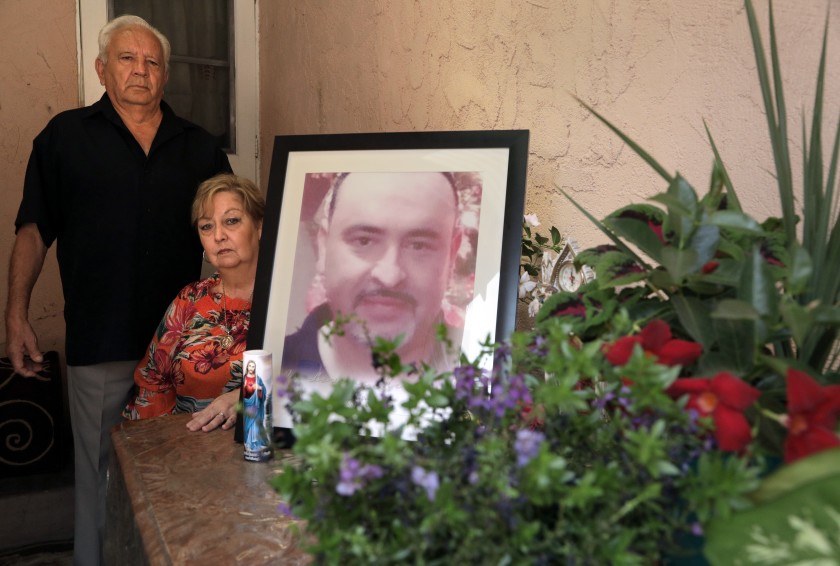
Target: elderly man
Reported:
[(385, 255), (112, 183)]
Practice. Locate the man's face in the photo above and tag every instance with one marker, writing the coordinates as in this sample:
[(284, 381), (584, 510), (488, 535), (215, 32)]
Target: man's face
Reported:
[(134, 73), (388, 252)]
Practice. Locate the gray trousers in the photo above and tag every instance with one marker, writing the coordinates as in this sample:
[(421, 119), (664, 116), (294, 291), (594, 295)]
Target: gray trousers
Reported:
[(97, 395)]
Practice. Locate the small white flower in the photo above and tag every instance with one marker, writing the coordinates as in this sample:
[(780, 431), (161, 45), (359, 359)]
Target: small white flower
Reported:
[(525, 285), (534, 307), (532, 219)]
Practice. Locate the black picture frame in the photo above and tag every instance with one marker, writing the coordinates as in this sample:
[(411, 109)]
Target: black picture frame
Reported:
[(500, 156)]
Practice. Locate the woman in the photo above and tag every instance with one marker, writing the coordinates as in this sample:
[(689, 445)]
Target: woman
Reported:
[(194, 362)]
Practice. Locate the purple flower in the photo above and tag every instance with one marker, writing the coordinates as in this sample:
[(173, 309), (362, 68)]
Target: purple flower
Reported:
[(601, 402), (372, 472), (427, 480), (693, 425), (517, 391), (283, 385), (352, 475), (285, 509), (623, 400), (350, 480), (492, 395), (501, 358), (527, 445), (507, 394), (466, 378), (539, 346)]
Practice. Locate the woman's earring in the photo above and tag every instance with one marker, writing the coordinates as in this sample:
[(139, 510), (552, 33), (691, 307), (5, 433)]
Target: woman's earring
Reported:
[(204, 256)]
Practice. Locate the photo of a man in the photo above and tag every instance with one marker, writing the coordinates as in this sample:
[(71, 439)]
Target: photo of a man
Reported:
[(394, 256)]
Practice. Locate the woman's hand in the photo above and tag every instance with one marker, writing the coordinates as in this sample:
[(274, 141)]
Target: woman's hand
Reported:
[(221, 412)]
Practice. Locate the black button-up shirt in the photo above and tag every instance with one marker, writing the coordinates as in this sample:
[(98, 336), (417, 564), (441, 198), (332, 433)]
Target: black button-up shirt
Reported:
[(122, 222)]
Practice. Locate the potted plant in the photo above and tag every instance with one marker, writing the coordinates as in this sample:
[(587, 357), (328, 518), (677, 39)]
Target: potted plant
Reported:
[(689, 395)]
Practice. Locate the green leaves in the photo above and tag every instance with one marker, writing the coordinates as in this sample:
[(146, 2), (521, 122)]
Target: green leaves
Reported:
[(796, 518), (610, 467), (640, 226), (650, 450), (590, 473), (820, 224), (736, 221), (708, 254), (681, 202), (721, 484)]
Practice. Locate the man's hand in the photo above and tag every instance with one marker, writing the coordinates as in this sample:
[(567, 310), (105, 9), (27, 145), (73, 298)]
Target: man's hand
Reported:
[(27, 260), (22, 347)]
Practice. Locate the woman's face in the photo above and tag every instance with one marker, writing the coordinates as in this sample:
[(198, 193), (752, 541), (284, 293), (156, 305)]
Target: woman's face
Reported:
[(231, 238)]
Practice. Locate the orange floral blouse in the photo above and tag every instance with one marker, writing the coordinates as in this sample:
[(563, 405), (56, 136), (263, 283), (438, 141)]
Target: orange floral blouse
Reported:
[(185, 366)]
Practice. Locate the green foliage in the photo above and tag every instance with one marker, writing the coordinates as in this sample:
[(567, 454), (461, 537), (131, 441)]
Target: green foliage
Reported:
[(723, 274), (532, 462), (535, 283), (796, 518), (758, 299), (535, 246), (559, 453)]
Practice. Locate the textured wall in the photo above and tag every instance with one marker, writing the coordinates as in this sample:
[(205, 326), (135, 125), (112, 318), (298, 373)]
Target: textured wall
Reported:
[(656, 68), (39, 79)]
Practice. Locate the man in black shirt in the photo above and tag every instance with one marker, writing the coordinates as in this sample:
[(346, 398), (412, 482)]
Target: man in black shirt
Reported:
[(112, 184)]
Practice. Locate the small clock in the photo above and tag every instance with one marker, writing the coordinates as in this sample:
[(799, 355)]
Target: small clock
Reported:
[(568, 277), (564, 276)]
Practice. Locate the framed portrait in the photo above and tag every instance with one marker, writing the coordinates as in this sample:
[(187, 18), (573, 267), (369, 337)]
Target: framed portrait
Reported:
[(387, 235)]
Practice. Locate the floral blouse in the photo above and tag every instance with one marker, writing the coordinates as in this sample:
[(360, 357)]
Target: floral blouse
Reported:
[(186, 365)]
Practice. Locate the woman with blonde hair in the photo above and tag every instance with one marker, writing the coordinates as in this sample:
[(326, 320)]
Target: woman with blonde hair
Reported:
[(194, 362)]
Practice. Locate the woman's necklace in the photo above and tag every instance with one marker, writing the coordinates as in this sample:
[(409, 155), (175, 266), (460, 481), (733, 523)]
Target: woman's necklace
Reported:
[(226, 340)]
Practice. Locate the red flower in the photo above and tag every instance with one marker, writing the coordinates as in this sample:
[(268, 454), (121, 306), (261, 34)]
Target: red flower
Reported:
[(176, 321), (655, 339), (240, 344), (812, 416), (709, 267), (533, 417), (210, 356), (163, 370), (723, 397)]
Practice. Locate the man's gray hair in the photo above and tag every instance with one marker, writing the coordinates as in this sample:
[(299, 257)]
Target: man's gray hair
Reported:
[(129, 21)]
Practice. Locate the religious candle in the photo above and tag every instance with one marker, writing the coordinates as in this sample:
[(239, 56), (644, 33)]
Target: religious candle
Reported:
[(256, 401)]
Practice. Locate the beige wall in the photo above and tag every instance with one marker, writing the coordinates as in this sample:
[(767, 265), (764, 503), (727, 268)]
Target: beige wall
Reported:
[(657, 68), (39, 79)]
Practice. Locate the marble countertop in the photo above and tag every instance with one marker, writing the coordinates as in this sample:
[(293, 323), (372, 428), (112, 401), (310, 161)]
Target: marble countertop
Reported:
[(181, 497)]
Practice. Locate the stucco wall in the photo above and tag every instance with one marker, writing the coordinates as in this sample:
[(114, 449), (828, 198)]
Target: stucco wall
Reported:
[(39, 79), (656, 68)]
